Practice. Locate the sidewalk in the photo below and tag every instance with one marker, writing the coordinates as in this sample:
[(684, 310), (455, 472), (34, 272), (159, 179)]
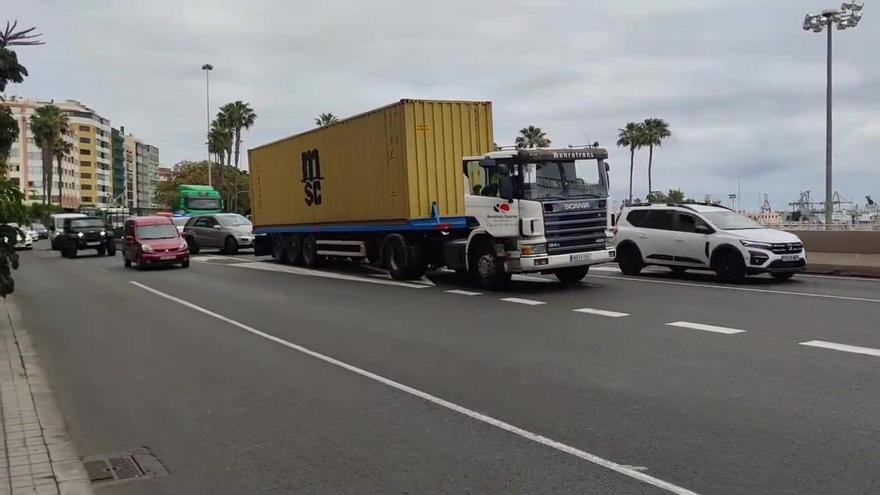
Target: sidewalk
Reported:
[(852, 264), (38, 457)]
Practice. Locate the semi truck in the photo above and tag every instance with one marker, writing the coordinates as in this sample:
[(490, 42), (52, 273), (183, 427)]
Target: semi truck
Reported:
[(416, 184), (197, 200)]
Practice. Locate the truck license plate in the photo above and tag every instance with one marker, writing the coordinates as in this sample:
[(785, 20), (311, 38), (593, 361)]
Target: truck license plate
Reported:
[(167, 257), (580, 257), (790, 257)]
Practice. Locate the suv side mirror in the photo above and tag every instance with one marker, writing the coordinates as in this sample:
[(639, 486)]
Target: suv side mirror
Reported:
[(702, 229), (505, 187), (217, 226)]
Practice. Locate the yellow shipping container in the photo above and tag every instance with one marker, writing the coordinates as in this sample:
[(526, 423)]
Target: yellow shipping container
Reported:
[(389, 164)]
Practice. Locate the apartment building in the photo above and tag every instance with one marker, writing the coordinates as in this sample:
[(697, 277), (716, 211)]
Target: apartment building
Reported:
[(93, 135), (117, 154), (25, 163)]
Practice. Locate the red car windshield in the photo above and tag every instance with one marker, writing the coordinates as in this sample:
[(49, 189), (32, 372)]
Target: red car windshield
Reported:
[(166, 231)]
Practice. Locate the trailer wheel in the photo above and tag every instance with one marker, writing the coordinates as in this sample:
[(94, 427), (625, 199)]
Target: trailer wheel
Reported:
[(279, 252), (310, 256), (487, 270), (404, 261), (294, 249)]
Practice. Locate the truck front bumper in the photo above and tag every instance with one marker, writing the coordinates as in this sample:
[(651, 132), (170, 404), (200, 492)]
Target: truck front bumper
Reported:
[(547, 263)]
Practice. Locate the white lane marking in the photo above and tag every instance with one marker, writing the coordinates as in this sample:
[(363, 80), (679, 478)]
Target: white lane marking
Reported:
[(274, 267), (601, 312), (706, 328), (743, 289), (632, 472), (527, 302), (464, 292), (843, 347)]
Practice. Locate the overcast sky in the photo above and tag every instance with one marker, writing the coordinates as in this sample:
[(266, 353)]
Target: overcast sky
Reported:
[(739, 81)]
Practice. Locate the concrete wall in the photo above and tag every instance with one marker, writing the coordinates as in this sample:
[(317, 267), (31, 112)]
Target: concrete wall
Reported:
[(856, 242)]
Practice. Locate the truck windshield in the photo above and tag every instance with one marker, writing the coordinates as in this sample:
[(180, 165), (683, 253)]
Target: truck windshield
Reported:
[(87, 223), (202, 203), (563, 180)]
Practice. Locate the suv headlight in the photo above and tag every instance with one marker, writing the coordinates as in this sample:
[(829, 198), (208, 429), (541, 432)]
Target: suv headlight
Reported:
[(756, 245), (533, 249), (103, 233), (79, 234)]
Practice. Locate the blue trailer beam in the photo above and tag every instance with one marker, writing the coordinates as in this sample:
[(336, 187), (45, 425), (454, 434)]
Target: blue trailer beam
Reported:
[(420, 225)]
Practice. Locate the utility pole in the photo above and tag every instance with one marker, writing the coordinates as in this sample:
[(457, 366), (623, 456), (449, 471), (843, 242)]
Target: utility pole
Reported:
[(208, 68), (848, 16)]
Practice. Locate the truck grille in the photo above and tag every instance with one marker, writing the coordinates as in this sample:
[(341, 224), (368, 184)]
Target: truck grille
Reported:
[(574, 230), (787, 248)]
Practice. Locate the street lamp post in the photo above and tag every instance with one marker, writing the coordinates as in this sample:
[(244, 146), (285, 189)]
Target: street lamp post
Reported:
[(848, 16), (208, 68)]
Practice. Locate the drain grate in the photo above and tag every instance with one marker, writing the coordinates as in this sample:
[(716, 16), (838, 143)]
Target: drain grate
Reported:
[(125, 466)]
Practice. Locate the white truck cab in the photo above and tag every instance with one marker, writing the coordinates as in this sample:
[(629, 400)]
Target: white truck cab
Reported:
[(544, 210)]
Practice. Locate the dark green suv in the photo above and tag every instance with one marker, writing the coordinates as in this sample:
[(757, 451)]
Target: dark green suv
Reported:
[(85, 233)]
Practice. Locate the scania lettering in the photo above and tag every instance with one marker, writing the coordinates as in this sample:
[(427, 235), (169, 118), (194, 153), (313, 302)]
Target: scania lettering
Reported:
[(413, 185)]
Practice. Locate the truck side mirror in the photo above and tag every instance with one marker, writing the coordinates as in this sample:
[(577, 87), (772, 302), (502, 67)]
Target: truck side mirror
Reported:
[(505, 187)]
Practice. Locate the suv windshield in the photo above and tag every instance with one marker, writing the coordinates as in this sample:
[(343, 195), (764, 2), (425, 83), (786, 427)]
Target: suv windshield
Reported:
[(233, 220), (729, 220), (86, 223), (563, 180), (157, 232)]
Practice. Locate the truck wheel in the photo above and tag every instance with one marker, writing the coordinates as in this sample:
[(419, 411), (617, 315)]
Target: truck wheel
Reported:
[(230, 246), (279, 251), (572, 275), (193, 247), (404, 262), (111, 248), (487, 270), (629, 260), (730, 267), (294, 249), (310, 256)]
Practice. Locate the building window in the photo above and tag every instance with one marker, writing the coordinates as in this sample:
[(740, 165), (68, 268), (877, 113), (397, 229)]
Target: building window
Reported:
[(85, 164), (85, 152), (86, 199), (85, 128), (85, 140), (86, 187), (85, 175)]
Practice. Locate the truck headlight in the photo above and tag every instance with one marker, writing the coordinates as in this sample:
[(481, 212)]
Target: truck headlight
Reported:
[(533, 249), (756, 245)]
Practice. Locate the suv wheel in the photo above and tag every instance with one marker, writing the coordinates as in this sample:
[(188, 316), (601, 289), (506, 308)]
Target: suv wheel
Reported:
[(630, 260), (102, 251), (111, 247), (782, 275), (193, 247), (230, 246), (730, 267)]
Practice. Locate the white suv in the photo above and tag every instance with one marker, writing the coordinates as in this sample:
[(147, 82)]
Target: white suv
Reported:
[(704, 238)]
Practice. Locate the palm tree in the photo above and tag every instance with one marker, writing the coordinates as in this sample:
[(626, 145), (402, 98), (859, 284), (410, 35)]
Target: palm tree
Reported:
[(62, 150), (532, 137), (631, 136), (48, 124), (656, 130), (237, 115), (326, 119), (220, 142)]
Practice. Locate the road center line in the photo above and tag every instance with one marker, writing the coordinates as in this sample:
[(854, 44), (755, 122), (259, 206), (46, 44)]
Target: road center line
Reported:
[(743, 289), (601, 312), (464, 292), (527, 302), (843, 347), (706, 328), (534, 437)]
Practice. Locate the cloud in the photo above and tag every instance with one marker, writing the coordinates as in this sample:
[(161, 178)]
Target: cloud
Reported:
[(740, 83)]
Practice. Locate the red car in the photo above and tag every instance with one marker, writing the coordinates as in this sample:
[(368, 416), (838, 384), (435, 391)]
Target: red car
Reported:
[(152, 241)]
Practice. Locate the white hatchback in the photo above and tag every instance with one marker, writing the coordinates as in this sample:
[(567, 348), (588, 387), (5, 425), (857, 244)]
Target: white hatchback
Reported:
[(701, 237)]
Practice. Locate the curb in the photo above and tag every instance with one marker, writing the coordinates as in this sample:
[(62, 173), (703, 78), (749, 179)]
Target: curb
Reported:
[(48, 439)]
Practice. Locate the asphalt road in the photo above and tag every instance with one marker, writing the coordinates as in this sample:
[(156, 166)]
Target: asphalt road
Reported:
[(415, 389)]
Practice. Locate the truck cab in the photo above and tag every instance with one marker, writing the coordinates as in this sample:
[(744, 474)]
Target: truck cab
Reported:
[(545, 210)]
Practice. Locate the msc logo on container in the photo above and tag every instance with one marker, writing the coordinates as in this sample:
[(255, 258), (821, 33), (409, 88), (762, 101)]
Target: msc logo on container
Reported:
[(311, 172)]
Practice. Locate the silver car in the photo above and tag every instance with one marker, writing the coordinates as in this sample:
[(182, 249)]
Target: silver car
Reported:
[(228, 232)]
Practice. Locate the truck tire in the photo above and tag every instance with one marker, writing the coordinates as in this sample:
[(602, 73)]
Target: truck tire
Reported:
[(310, 256), (279, 250), (572, 275), (404, 261), (487, 270), (294, 249)]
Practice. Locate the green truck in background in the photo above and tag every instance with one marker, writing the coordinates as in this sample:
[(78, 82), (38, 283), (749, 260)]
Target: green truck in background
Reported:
[(198, 200)]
